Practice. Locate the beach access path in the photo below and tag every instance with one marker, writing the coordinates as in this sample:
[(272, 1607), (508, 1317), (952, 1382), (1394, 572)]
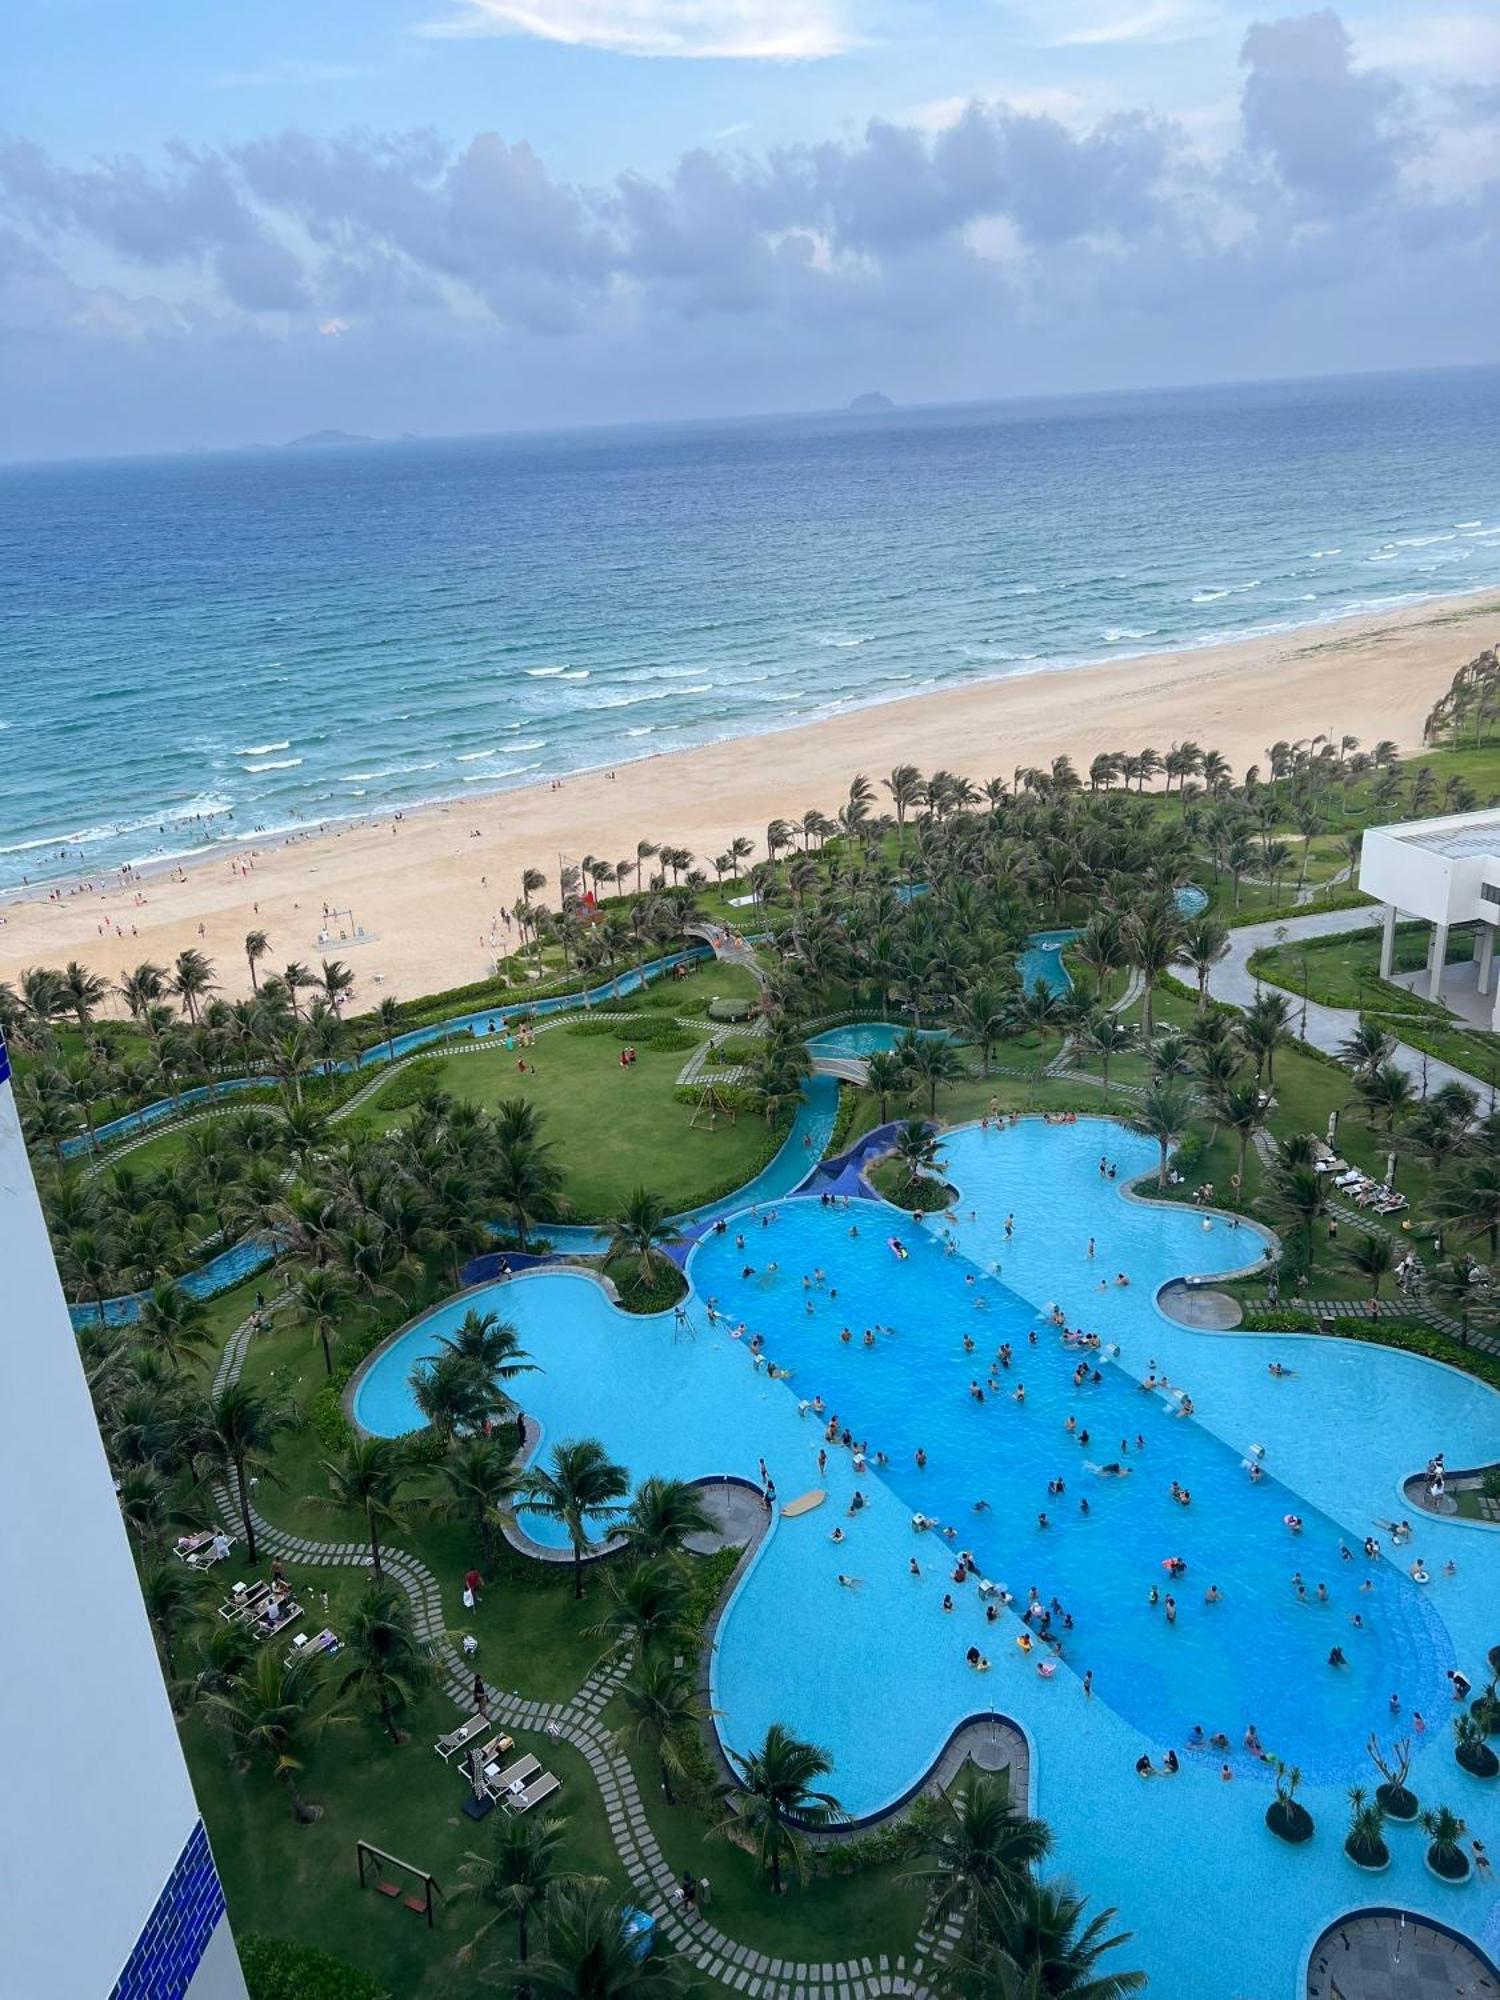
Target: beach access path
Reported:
[(1327, 1028)]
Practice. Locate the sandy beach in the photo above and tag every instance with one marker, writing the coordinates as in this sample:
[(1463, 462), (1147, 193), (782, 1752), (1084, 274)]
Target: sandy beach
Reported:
[(428, 891)]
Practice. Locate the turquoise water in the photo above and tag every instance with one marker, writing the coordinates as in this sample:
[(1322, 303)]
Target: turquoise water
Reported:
[(867, 1038), (1042, 961), (890, 1677), (232, 644)]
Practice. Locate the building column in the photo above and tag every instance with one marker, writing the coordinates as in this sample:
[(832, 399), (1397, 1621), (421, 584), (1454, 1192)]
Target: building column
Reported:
[(1486, 955), (1439, 961), (1495, 1010), (1388, 941)]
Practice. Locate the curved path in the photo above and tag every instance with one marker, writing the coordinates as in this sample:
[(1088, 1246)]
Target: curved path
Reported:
[(1231, 980), (578, 1722), (1382, 1954)]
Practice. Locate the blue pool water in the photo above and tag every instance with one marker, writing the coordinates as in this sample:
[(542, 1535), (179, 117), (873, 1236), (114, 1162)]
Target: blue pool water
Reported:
[(890, 1679), (1042, 961), (866, 1038)]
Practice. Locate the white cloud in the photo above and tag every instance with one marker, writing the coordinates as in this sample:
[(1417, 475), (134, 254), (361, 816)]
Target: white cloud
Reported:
[(743, 30), (1160, 21)]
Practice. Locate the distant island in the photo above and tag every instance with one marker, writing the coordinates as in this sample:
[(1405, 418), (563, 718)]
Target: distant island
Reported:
[(871, 401), (327, 437)]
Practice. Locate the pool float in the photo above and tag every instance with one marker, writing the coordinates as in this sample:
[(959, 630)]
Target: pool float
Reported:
[(897, 1248), (1420, 1575), (804, 1503), (1046, 1668), (1292, 1521)]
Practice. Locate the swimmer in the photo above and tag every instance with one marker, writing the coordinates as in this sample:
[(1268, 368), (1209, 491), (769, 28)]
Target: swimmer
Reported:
[(850, 1582), (1213, 1595), (915, 1567), (1144, 1768), (1336, 1657), (947, 1602), (1170, 1765), (1226, 1776), (837, 1535)]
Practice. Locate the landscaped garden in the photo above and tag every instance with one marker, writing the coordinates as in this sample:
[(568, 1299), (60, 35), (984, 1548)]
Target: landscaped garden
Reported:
[(374, 1182)]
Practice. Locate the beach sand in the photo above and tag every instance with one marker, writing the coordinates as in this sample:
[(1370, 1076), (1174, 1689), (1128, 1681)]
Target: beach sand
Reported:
[(427, 891)]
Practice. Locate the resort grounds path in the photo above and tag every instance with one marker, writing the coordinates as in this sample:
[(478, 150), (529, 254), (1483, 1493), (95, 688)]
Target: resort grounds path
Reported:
[(1327, 1028)]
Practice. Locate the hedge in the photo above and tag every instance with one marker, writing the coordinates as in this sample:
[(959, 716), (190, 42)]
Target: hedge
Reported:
[(277, 1969)]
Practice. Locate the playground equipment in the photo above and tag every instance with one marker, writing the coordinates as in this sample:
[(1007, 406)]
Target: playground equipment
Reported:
[(388, 1871)]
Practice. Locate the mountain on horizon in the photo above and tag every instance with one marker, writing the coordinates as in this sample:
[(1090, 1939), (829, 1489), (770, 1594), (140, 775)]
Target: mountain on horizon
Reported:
[(327, 437)]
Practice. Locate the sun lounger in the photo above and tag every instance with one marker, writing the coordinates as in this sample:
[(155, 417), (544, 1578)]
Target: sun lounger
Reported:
[(245, 1600), (291, 1611), (490, 1753), (302, 1647), (539, 1789), (513, 1778), (188, 1547), (462, 1737)]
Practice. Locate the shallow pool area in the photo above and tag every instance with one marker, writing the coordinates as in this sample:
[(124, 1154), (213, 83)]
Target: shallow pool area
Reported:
[(875, 1670)]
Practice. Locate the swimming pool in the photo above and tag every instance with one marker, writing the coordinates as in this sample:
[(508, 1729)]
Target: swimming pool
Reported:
[(1180, 1859)]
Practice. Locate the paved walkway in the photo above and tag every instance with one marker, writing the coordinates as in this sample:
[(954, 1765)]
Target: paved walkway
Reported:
[(578, 1722), (1386, 1955), (1327, 1027)]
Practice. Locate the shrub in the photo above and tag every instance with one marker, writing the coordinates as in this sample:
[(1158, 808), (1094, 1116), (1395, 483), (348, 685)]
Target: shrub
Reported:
[(326, 1419), (730, 1010), (645, 1295), (277, 1969)]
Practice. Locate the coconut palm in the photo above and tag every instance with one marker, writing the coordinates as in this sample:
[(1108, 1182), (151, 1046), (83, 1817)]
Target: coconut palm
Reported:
[(916, 1151), (1163, 1114), (257, 944), (1386, 1094), (1367, 1047), (81, 992), (646, 1606), (581, 1486), (491, 1344), (640, 1229), (780, 1794), (370, 1474), (173, 1323), (234, 1436), (590, 1954), (1297, 1193), (1204, 942), (1263, 1030), (886, 1076), (320, 1299), (388, 1019), (1470, 1201), (1103, 1035), (663, 1514), (513, 1881), (172, 1594), (931, 1060), (381, 1659), (1041, 1953), (454, 1395), (1373, 1255), (272, 1713), (664, 1710), (976, 1852), (527, 1185), (192, 980), (477, 1486), (1151, 937), (982, 1014), (1241, 1108)]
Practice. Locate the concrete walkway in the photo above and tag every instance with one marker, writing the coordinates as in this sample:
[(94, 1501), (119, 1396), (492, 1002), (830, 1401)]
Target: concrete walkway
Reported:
[(1232, 980), (1384, 1955)]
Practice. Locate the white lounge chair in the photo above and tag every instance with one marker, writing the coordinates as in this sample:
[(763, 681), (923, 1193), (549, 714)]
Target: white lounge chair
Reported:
[(539, 1789), (462, 1737)]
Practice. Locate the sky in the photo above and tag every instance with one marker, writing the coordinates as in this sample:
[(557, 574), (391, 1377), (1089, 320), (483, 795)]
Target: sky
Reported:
[(222, 225)]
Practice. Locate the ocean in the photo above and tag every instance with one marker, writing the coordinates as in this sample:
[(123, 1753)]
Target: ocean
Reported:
[(195, 650)]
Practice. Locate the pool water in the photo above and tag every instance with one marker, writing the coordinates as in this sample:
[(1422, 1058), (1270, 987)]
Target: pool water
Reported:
[(868, 1038), (876, 1673)]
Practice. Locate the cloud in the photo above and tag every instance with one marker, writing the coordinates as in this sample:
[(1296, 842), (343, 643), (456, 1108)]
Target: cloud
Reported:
[(1341, 219), (1335, 133), (735, 30)]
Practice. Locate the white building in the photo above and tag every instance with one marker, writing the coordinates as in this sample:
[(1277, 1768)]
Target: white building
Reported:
[(1445, 871), (108, 1890)]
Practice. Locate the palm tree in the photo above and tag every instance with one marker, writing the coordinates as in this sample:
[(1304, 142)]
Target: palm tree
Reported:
[(235, 1435), (1367, 1047), (1470, 1201), (272, 1713), (663, 1514), (1105, 1035), (491, 1344), (172, 1596), (886, 1075), (1372, 1254), (1204, 942), (1264, 1030), (582, 1485), (320, 1299), (977, 1852), (1297, 1193), (1151, 937), (647, 1606), (174, 1323), (387, 1664), (931, 1059), (1040, 1953), (192, 980), (661, 1700), (515, 1879), (1386, 1094), (982, 1014), (590, 1953), (916, 1151), (639, 1230), (526, 1183), (1241, 1109), (388, 1018), (1163, 1115), (478, 1484), (257, 944), (82, 992), (780, 1794), (370, 1475), (906, 788)]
